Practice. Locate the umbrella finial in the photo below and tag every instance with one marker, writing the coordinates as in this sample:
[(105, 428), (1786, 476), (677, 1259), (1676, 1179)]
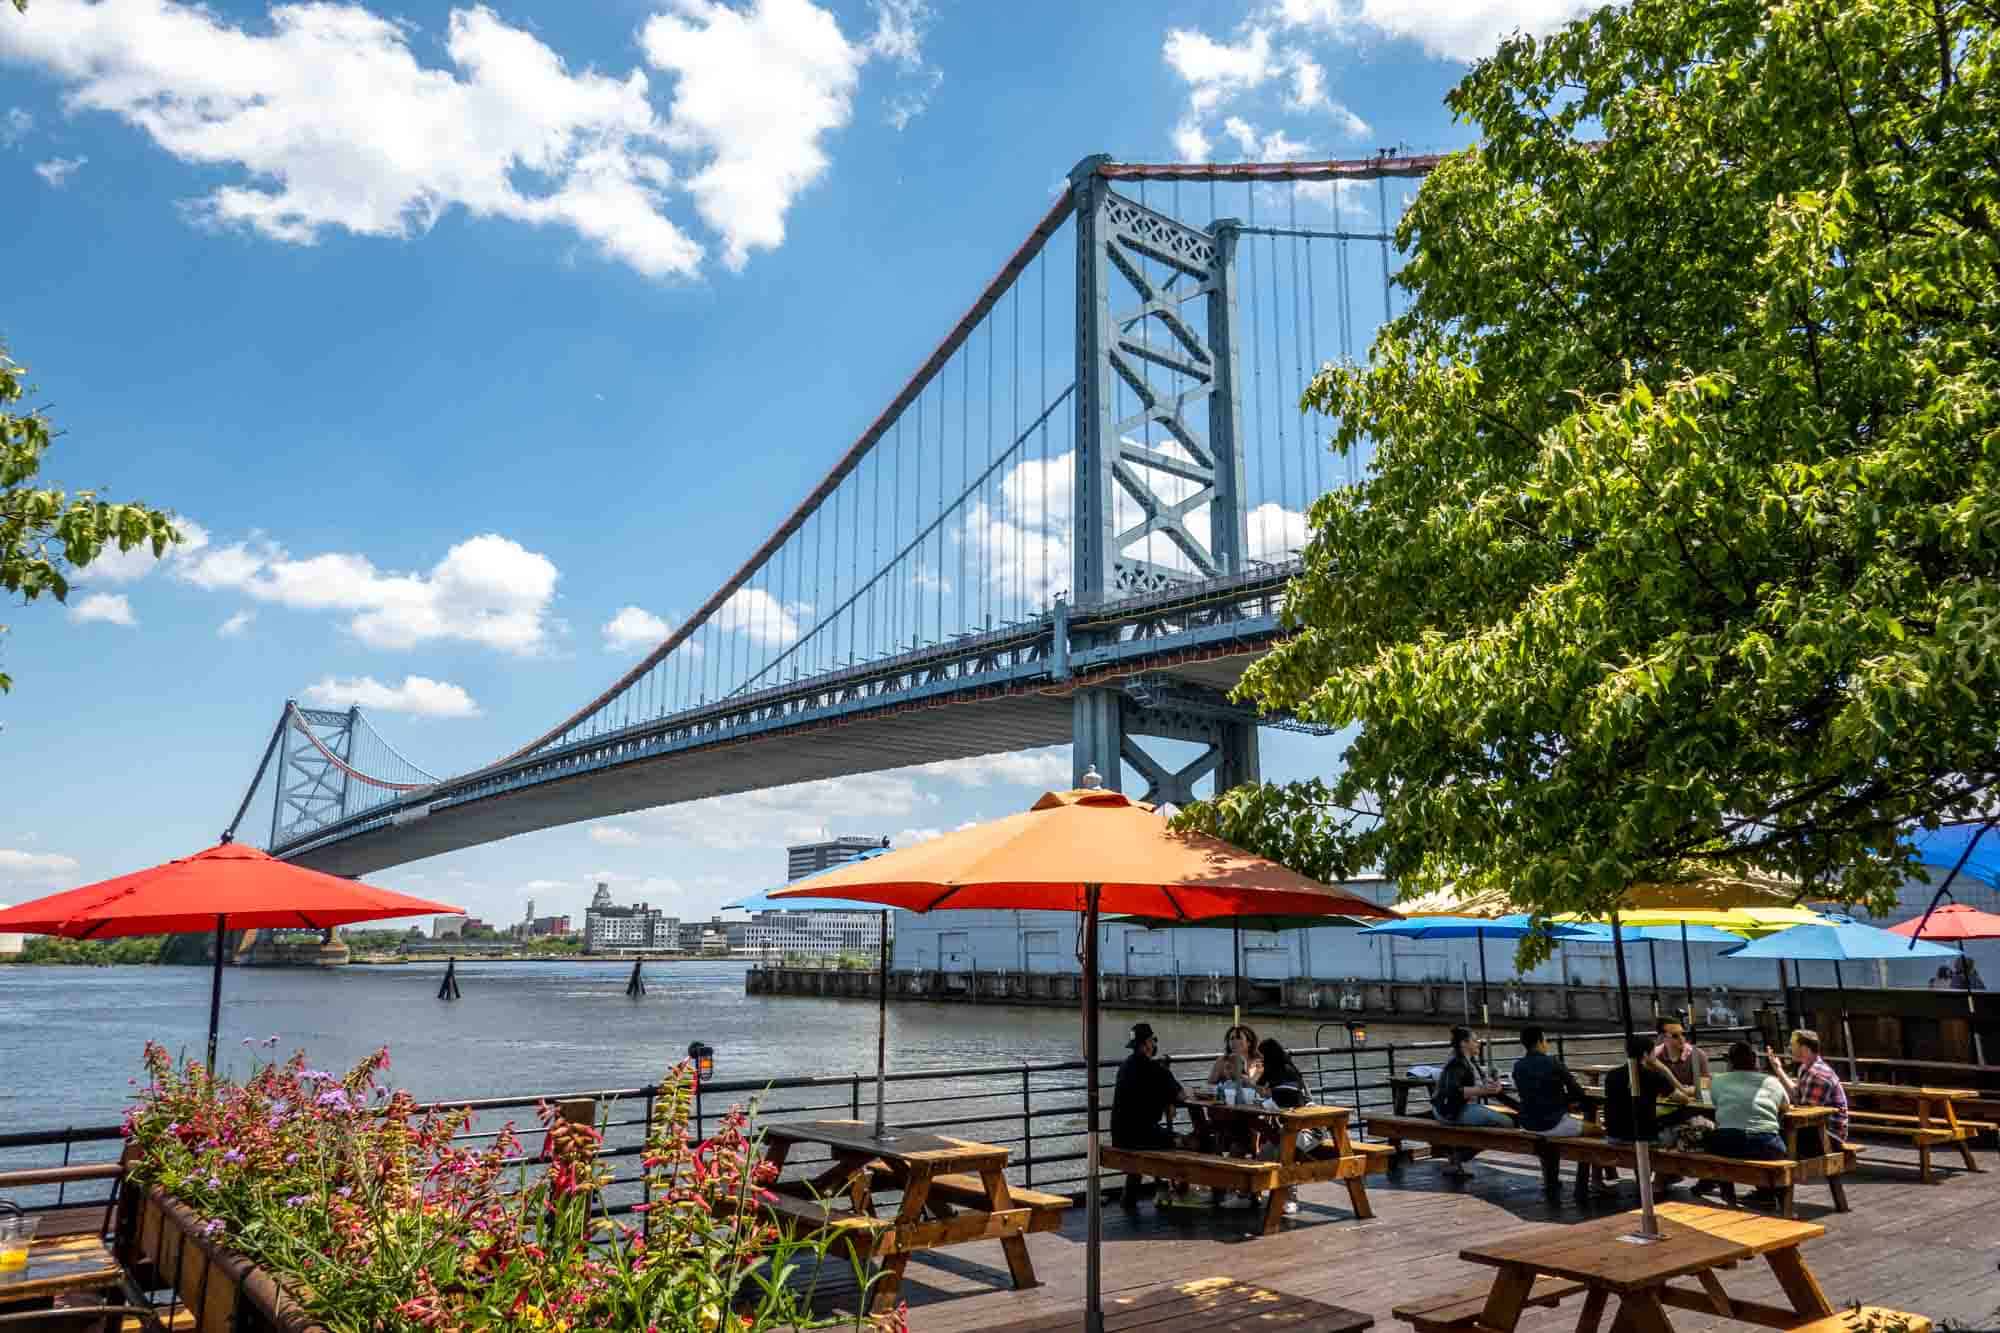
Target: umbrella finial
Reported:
[(1091, 779), (228, 836)]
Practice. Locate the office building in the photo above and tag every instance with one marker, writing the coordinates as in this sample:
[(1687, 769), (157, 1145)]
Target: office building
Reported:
[(811, 933), (607, 927), (447, 927), (809, 858)]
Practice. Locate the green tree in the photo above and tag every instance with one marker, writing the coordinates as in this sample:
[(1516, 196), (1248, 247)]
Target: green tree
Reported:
[(1678, 547), (45, 533)]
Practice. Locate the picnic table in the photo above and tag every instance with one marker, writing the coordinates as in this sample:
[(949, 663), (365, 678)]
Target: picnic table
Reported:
[(62, 1266), (1926, 1116), (1345, 1161), (1544, 1265), (954, 1191)]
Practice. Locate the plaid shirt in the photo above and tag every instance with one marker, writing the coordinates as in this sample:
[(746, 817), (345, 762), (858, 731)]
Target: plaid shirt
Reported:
[(1818, 1085)]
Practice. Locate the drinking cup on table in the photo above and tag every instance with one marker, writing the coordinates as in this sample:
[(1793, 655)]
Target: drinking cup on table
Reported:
[(16, 1235)]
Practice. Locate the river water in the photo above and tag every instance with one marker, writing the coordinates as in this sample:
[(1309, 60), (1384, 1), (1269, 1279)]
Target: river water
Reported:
[(70, 1037)]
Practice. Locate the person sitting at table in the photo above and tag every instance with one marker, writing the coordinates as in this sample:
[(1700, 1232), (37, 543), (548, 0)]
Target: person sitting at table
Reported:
[(1687, 1062), (1815, 1085), (1942, 981), (1143, 1097), (1749, 1109), (1238, 1062), (1545, 1090), (1452, 1098), (1281, 1082), (1631, 1120)]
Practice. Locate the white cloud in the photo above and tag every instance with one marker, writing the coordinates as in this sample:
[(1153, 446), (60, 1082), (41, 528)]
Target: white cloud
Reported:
[(487, 590), (762, 617), (234, 627), (334, 122), (36, 869), (611, 835), (14, 126), (1446, 29), (103, 608), (758, 90), (910, 837), (418, 696), (1259, 58), (1046, 768), (633, 628), (57, 170), (115, 566)]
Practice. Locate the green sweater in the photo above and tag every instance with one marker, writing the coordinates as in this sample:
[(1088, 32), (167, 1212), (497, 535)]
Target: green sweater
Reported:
[(1747, 1100)]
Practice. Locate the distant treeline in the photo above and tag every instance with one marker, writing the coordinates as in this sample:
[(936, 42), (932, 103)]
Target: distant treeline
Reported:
[(55, 949)]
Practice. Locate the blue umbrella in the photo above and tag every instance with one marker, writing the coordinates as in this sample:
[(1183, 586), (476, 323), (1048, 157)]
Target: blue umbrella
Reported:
[(1838, 940), (763, 902), (1685, 934), (1511, 927)]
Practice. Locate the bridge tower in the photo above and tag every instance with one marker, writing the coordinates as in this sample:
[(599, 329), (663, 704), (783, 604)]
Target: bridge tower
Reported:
[(313, 774), (1156, 310)]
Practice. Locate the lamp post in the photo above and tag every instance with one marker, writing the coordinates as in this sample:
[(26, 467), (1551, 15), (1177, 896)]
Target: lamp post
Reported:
[(1357, 1037)]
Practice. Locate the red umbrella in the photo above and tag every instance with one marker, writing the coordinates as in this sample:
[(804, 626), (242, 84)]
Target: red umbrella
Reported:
[(228, 887), (1953, 921)]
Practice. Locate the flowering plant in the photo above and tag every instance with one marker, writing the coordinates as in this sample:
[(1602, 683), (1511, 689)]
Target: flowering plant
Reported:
[(373, 1214)]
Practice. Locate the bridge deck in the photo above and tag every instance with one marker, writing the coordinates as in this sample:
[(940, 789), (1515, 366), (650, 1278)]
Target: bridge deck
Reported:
[(1927, 1249)]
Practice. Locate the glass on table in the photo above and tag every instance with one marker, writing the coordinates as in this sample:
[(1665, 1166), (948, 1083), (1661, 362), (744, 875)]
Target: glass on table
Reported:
[(17, 1234)]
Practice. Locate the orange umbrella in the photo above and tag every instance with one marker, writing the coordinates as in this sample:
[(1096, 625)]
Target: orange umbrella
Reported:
[(228, 887), (1087, 851)]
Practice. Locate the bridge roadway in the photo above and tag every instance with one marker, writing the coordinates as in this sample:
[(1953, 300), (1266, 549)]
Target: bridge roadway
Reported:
[(1173, 654)]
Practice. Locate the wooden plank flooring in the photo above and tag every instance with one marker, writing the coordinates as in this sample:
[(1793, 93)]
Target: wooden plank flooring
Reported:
[(1930, 1249)]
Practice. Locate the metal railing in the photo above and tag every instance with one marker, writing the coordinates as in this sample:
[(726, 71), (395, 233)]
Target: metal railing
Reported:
[(1033, 1109)]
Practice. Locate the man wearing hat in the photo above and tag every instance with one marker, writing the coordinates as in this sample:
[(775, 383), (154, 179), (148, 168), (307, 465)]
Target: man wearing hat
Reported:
[(1145, 1093)]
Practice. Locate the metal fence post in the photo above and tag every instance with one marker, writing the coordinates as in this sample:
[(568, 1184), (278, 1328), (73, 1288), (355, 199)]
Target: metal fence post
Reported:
[(1560, 1053), (857, 1094), (1027, 1126)]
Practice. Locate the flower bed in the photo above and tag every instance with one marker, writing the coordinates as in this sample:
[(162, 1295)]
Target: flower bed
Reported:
[(335, 1201)]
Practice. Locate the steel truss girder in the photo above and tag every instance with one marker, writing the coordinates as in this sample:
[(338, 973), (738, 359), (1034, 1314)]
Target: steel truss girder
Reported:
[(1118, 308), (1109, 723)]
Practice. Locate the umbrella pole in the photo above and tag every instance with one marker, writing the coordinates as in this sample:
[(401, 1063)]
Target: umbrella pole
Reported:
[(1485, 1021), (215, 995), (1653, 978), (1093, 1277), (1687, 978), (1846, 1031), (1649, 1226), (881, 1020), (1236, 980), (1785, 994)]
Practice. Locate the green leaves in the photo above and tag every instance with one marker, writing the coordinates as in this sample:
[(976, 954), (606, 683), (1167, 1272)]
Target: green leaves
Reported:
[(1679, 543), (45, 534)]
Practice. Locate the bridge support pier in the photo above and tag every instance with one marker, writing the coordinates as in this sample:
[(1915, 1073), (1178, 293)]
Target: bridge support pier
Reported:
[(1105, 732)]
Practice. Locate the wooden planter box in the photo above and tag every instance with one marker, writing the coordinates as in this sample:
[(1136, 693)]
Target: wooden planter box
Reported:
[(160, 1243)]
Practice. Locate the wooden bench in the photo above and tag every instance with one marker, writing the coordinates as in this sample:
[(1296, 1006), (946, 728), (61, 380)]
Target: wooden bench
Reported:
[(1925, 1136), (1780, 1176), (862, 1237), (1459, 1311), (966, 1190), (1250, 1175)]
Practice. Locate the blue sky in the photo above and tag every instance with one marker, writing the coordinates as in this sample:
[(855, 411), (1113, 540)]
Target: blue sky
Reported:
[(456, 332)]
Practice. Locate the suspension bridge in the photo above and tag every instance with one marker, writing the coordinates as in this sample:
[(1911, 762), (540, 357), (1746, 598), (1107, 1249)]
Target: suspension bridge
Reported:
[(1074, 524)]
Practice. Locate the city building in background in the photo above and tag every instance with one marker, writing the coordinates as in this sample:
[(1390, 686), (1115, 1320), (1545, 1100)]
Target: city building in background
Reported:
[(532, 927), (448, 927), (812, 933), (809, 858), (607, 927)]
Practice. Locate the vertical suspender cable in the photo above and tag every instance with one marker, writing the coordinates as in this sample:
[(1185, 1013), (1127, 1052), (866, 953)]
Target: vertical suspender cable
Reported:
[(1313, 359), (1278, 407), (964, 469), (986, 494), (1382, 190), (1041, 262), (944, 384), (1249, 503), (1299, 355)]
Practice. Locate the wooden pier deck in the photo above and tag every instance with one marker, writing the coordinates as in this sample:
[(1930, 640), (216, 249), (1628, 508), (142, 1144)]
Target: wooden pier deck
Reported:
[(1929, 1249)]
